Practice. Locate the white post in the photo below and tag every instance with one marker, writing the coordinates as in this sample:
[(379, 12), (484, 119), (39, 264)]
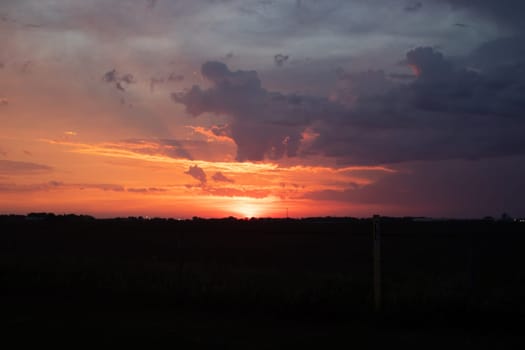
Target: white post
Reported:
[(377, 262)]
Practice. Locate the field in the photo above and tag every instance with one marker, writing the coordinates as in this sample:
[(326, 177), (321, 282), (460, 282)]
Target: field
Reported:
[(261, 283)]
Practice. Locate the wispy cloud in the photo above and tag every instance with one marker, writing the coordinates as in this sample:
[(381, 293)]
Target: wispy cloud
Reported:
[(16, 167), (118, 79), (120, 150), (147, 190), (58, 185), (220, 177)]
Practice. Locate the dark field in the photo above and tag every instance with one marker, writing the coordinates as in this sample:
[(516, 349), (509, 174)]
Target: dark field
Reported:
[(261, 284)]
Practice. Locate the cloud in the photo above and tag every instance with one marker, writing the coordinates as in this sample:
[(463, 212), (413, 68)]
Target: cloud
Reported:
[(501, 55), (220, 177), (263, 124), (235, 192), (443, 87), (4, 102), (402, 76), (216, 133), (172, 148), (280, 59), (171, 78), (445, 188), (445, 112), (146, 190), (153, 82), (198, 174), (120, 80), (103, 187), (56, 185), (15, 167), (507, 13), (413, 6), (361, 85), (13, 188)]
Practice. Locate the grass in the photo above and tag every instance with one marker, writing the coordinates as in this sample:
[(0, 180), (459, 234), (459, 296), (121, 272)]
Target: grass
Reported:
[(234, 284)]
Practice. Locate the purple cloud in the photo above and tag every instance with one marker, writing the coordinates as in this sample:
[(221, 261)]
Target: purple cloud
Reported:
[(264, 124), (220, 177), (15, 167), (197, 173)]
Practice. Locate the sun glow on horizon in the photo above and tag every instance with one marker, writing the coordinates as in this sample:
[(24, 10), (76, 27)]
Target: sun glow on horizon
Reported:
[(142, 178), (249, 210)]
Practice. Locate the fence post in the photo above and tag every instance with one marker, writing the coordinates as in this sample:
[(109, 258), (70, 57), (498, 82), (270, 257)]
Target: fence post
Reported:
[(377, 262), (470, 271)]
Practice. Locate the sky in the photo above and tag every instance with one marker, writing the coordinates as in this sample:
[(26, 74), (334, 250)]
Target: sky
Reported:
[(216, 108)]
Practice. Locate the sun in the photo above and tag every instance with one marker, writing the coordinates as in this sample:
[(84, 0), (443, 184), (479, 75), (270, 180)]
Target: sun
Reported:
[(248, 210)]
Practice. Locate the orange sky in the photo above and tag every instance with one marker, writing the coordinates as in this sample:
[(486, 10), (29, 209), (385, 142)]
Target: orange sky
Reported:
[(137, 178), (72, 143)]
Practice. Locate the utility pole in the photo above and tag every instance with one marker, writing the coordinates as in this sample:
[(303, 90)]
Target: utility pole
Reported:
[(376, 235)]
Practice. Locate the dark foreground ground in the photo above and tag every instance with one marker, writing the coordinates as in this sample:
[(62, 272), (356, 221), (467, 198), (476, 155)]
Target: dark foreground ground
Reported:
[(261, 284)]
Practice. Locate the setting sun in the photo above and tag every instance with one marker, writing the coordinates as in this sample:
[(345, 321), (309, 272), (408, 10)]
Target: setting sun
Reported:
[(249, 210)]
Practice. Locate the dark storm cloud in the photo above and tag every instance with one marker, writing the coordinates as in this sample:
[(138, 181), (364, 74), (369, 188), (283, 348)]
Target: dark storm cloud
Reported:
[(264, 124), (198, 174), (447, 112), (402, 76), (221, 130), (428, 63), (15, 167), (220, 177), (500, 56), (452, 187), (496, 90), (362, 84)]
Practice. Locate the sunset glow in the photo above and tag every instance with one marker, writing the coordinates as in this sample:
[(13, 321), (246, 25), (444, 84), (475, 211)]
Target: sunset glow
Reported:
[(117, 110)]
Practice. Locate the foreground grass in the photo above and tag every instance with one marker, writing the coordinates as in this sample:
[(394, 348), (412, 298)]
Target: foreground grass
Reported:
[(240, 284)]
